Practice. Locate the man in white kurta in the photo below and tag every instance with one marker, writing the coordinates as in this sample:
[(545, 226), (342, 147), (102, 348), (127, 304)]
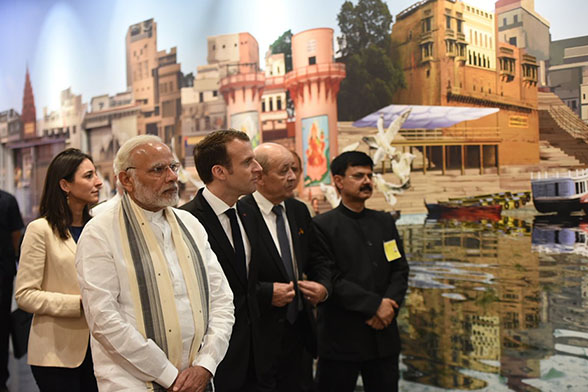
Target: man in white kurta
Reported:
[(125, 358)]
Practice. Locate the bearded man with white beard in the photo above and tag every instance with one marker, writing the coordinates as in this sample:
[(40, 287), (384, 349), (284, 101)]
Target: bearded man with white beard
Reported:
[(158, 305)]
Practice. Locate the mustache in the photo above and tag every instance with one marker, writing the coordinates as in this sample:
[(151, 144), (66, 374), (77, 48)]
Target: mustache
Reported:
[(366, 187)]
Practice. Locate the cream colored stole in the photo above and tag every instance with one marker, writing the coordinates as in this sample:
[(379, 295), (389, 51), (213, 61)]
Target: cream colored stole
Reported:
[(151, 284)]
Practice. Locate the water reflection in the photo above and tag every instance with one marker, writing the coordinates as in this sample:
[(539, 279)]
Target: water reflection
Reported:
[(496, 306)]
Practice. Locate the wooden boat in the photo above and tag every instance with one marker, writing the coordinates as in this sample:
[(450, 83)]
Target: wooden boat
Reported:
[(508, 200), (464, 212), (562, 194)]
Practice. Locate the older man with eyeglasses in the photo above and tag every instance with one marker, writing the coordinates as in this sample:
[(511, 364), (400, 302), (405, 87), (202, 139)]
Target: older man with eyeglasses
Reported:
[(157, 302)]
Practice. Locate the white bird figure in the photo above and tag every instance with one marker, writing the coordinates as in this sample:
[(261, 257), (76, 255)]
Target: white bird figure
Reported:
[(331, 195), (401, 168), (105, 192), (382, 142), (387, 188), (351, 147), (183, 175)]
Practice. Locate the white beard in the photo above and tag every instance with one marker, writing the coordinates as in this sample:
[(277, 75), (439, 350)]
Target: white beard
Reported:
[(148, 198)]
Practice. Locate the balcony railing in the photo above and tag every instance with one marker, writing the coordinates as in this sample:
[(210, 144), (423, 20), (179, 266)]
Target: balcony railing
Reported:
[(448, 135), (427, 36), (316, 70)]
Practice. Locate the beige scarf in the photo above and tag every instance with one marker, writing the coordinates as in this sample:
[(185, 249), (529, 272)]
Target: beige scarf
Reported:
[(151, 285)]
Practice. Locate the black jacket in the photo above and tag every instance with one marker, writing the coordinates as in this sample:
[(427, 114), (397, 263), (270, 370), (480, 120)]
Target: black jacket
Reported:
[(232, 371), (363, 275), (313, 264)]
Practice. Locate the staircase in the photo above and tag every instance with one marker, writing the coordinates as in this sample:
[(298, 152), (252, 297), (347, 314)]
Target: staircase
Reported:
[(562, 128)]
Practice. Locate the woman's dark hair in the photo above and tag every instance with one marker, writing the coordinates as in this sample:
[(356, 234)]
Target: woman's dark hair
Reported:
[(54, 205)]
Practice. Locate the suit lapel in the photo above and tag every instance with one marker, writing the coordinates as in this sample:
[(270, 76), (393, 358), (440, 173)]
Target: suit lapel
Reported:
[(70, 244), (266, 238), (216, 233), (248, 219)]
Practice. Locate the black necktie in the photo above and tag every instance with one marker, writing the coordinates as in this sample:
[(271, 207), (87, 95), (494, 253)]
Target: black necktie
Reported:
[(237, 243), (283, 241), (286, 259)]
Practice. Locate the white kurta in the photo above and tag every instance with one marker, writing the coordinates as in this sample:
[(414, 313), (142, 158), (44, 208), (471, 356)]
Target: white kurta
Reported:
[(123, 358)]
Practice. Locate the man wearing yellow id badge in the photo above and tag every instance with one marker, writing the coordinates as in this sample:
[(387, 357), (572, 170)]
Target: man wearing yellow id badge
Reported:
[(357, 330)]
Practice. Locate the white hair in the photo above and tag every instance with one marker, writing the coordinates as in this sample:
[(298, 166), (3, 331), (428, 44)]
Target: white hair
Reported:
[(122, 160)]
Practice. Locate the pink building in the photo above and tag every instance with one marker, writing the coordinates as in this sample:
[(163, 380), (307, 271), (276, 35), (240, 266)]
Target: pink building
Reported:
[(313, 84), (243, 82)]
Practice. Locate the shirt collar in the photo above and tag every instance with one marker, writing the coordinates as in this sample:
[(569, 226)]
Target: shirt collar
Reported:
[(264, 204), (218, 206), (151, 216), (349, 212)]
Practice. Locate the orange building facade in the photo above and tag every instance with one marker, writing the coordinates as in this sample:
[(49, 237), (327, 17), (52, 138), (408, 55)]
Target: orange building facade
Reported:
[(434, 39), (153, 77)]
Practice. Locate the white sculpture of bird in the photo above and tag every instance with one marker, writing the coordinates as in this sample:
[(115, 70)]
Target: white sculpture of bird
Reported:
[(331, 195), (401, 168), (388, 189), (382, 142), (185, 176), (350, 147)]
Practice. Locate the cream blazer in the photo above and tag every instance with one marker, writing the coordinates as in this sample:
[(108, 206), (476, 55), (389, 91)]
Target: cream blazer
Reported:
[(47, 286)]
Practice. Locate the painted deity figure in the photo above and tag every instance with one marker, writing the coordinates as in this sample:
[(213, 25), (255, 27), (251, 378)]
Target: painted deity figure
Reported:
[(315, 154)]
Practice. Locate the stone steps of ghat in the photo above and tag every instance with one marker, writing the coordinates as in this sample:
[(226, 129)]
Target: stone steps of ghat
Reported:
[(433, 186)]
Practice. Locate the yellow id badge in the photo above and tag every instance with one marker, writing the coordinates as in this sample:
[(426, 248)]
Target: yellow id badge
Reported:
[(391, 250)]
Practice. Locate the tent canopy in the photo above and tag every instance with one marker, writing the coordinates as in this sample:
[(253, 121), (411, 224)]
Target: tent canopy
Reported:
[(425, 117)]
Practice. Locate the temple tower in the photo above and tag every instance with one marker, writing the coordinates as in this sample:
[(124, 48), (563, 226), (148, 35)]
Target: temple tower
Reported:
[(29, 112), (242, 84), (313, 84)]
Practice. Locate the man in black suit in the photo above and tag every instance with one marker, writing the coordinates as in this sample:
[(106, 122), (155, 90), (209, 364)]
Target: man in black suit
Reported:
[(226, 164), (10, 232), (357, 325), (294, 272)]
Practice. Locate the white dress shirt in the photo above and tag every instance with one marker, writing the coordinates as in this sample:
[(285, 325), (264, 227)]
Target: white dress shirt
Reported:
[(163, 234), (123, 358), (265, 206), (220, 207)]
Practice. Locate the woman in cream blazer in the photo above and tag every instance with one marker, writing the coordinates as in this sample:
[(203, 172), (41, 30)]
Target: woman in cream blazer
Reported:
[(46, 281)]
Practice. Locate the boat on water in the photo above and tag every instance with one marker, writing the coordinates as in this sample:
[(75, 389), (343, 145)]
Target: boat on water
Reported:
[(560, 234), (461, 212), (559, 193)]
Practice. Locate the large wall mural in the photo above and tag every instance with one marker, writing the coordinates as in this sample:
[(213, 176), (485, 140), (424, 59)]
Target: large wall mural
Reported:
[(496, 301)]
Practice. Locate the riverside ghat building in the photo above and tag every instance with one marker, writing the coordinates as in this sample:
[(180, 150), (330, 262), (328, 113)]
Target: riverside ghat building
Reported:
[(451, 54)]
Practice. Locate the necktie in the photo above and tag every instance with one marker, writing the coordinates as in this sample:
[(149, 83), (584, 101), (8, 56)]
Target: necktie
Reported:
[(283, 241), (237, 244), (286, 259)]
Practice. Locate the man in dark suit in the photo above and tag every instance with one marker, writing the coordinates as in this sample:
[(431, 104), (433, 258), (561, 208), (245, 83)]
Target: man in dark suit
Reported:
[(294, 272), (357, 325), (226, 164), (10, 231)]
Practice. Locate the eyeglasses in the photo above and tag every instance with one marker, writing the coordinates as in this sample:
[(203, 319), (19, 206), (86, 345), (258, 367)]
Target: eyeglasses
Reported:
[(159, 170), (360, 176)]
